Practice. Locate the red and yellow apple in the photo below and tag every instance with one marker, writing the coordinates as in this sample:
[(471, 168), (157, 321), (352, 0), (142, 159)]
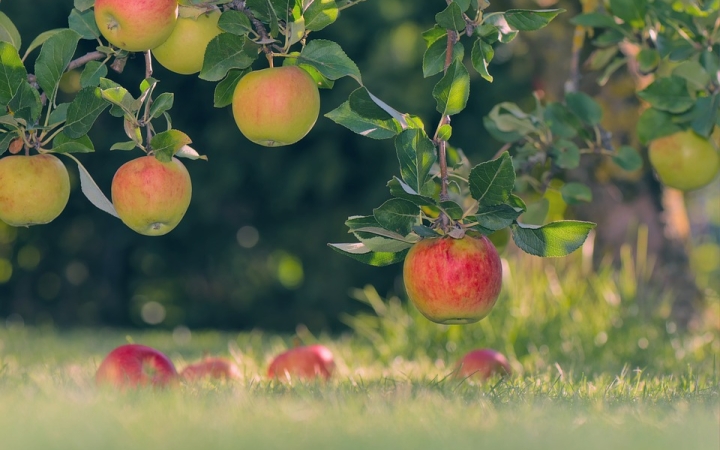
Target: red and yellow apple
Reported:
[(184, 51), (33, 189), (219, 368), (150, 196), (482, 364), (136, 25), (276, 106), (684, 160), (453, 281), (134, 365), (306, 362)]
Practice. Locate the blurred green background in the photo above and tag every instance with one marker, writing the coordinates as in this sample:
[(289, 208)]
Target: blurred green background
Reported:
[(251, 250)]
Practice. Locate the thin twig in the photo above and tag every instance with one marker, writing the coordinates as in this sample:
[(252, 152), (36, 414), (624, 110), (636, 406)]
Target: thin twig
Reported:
[(81, 61)]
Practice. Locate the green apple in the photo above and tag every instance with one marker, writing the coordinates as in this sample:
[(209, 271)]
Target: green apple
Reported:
[(33, 189), (150, 196), (136, 25), (684, 160), (276, 106), (184, 51), (453, 281)]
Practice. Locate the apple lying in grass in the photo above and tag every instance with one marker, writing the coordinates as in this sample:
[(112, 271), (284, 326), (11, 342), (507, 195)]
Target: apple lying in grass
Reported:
[(33, 189), (482, 364), (184, 51), (150, 196), (306, 362), (219, 368), (453, 281), (276, 106), (136, 25), (135, 365)]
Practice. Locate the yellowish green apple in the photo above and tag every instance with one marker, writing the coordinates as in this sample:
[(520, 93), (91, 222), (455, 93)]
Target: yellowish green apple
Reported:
[(184, 51), (684, 160), (136, 25), (276, 106), (150, 196), (33, 189)]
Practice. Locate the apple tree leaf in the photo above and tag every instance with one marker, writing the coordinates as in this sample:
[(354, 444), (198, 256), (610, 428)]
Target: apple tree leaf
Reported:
[(497, 217), (64, 144), (451, 18), (235, 22), (668, 94), (84, 24), (397, 215), (492, 182), (26, 104), (360, 252), (164, 145), (12, 72), (319, 14), (554, 239), (82, 112), (329, 59), (226, 88), (227, 51), (9, 32), (55, 55), (529, 20), (416, 154), (574, 193), (434, 56)]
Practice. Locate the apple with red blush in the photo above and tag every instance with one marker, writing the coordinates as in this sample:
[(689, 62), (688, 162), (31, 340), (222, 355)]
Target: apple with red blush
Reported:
[(306, 362), (134, 365)]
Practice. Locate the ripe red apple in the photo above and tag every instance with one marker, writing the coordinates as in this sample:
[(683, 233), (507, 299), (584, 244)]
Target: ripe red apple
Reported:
[(211, 368), (303, 362), (33, 189), (482, 364), (135, 365), (684, 160), (150, 196), (276, 106), (453, 281), (184, 51), (136, 25)]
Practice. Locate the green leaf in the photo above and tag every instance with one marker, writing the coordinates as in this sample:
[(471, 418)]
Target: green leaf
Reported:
[(65, 144), (400, 189), (124, 146), (594, 20), (648, 59), (320, 14), (694, 73), (492, 182), (358, 222), (227, 51), (12, 72), (84, 24), (161, 104), (164, 145), (481, 55), (574, 193), (493, 218), (668, 94), (566, 154), (9, 32), (397, 215), (584, 106), (706, 112), (601, 57), (453, 90), (40, 40), (226, 88), (119, 96), (527, 20), (554, 239), (561, 121), (26, 104), (380, 240), (452, 209), (83, 5), (451, 18), (85, 108), (59, 114), (92, 73), (444, 133), (416, 154), (360, 252), (654, 124), (361, 115), (630, 11), (235, 22), (628, 158), (55, 55), (329, 59), (5, 141), (434, 56)]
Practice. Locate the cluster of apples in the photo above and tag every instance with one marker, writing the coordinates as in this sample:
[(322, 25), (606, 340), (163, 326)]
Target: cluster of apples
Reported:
[(134, 365)]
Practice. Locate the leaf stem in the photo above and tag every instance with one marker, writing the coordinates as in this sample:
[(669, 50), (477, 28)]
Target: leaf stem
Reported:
[(149, 101)]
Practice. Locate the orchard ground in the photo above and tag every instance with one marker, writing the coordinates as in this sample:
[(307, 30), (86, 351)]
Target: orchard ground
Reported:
[(597, 364)]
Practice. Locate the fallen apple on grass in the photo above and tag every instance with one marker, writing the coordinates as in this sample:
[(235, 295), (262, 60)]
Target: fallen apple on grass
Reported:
[(307, 362), (218, 368), (453, 281), (184, 51), (150, 196), (136, 25), (134, 365), (276, 106), (482, 364), (33, 189)]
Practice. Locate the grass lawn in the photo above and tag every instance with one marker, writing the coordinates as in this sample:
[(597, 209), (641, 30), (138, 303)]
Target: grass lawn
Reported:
[(597, 366)]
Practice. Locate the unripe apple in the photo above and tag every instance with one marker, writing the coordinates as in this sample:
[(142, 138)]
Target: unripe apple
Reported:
[(33, 189), (453, 281), (482, 364), (184, 51), (276, 106), (684, 160), (136, 25), (150, 196), (302, 362), (211, 368), (135, 365)]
